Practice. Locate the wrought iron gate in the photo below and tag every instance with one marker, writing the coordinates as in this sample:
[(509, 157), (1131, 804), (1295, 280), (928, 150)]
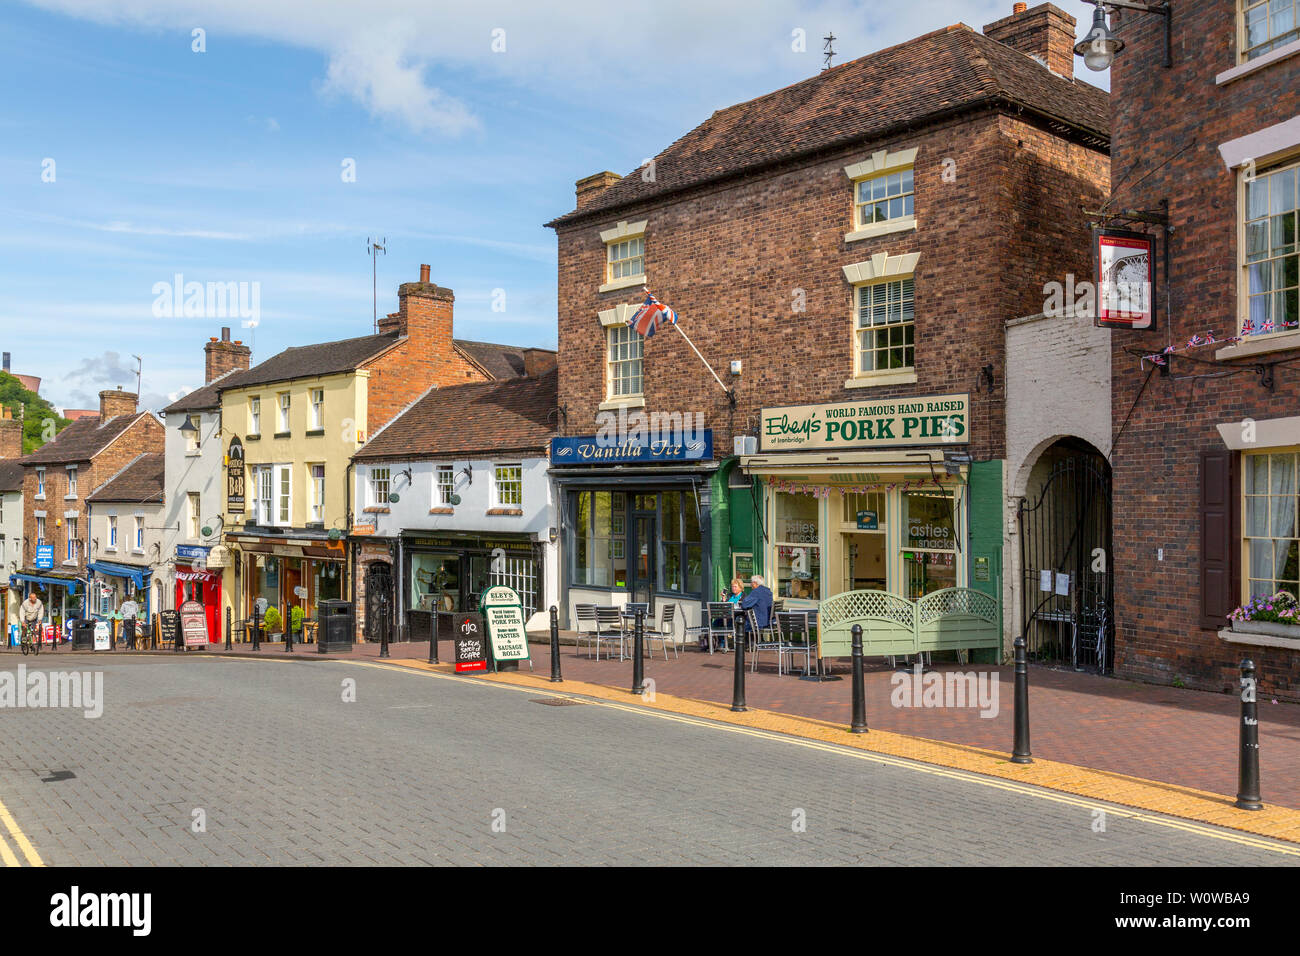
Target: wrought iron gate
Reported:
[(379, 601), (1067, 588)]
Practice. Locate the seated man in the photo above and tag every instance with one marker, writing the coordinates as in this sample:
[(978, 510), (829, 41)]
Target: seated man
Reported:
[(760, 599)]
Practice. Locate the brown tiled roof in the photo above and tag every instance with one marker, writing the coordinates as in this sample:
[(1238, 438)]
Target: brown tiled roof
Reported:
[(325, 358), (946, 71), (499, 361), (209, 396), (11, 474), (140, 482), (514, 416), (82, 440)]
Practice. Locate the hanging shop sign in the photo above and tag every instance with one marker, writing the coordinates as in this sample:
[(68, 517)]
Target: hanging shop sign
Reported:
[(189, 553), (45, 556), (220, 557), (194, 624), (469, 642), (504, 615), (889, 423), (1124, 278), (681, 444), (868, 521), (235, 477)]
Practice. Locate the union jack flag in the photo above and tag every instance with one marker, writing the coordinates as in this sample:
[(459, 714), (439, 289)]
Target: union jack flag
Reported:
[(653, 313)]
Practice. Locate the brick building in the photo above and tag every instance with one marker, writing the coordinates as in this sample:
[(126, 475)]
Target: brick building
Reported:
[(1206, 447), (57, 478), (857, 242)]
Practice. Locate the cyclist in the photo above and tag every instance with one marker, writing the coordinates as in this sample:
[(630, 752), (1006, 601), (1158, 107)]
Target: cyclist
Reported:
[(31, 613)]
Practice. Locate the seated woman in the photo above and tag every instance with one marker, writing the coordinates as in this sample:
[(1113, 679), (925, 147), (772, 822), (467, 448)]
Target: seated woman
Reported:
[(732, 597)]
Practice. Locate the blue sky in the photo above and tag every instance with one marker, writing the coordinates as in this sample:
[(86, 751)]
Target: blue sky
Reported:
[(468, 125)]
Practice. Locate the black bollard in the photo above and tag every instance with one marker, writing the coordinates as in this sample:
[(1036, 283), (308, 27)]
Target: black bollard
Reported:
[(555, 646), (433, 639), (638, 652), (383, 635), (288, 630), (859, 725), (1020, 749), (257, 633), (227, 628), (1248, 797), (738, 678)]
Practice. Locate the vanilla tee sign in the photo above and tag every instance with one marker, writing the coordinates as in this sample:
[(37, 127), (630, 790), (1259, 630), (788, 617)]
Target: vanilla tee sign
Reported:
[(931, 420), (504, 614)]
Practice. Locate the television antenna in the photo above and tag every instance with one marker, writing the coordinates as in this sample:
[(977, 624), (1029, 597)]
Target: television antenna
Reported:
[(374, 250), (828, 51), (139, 370)]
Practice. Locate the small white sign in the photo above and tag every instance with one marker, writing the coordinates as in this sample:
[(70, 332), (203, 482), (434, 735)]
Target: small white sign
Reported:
[(1062, 584), (1045, 580), (103, 635), (300, 591)]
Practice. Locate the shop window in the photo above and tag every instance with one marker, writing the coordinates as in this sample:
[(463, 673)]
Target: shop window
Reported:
[(797, 539), (1269, 525), (1272, 251), (435, 582), (929, 542), (886, 322), (624, 362), (682, 564), (596, 560), (1267, 25), (266, 579), (327, 580)]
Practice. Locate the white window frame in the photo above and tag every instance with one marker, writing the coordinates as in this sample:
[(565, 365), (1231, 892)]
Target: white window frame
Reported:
[(1246, 293), (882, 165), (70, 532), (624, 245), (40, 482), (138, 535), (192, 441), (444, 489), (264, 494), (378, 482), (72, 481), (623, 337), (1284, 37), (112, 533), (255, 414), (903, 297), (316, 491), (283, 490), (508, 485), (317, 409), (40, 530), (192, 507), (284, 407)]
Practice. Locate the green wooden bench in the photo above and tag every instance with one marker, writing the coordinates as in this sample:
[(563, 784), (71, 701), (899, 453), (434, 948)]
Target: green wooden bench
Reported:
[(952, 619)]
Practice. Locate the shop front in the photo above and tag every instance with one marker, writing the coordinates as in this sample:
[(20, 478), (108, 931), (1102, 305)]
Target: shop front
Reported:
[(287, 574), (196, 581), (448, 572), (876, 496), (64, 595), (636, 523), (112, 585)]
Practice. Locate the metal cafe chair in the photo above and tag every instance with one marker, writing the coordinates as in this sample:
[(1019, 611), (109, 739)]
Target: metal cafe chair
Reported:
[(585, 614), (665, 631), (721, 623), (609, 629), (795, 638), (762, 639)]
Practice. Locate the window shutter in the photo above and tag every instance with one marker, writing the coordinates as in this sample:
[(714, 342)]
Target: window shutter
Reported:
[(1220, 537)]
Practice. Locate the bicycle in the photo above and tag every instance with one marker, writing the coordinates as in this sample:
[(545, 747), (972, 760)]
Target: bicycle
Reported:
[(30, 646)]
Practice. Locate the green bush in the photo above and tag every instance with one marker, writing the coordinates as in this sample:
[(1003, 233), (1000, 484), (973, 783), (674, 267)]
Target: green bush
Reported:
[(296, 616), (272, 620)]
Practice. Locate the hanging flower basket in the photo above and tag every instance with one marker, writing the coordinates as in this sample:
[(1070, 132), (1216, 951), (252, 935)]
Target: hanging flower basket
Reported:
[(1275, 615)]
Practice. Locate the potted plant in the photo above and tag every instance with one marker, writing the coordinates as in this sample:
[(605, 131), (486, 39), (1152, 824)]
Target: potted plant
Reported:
[(296, 617), (1277, 615), (272, 620)]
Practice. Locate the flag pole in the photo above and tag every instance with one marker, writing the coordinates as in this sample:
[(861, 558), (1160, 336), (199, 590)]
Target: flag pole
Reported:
[(702, 359)]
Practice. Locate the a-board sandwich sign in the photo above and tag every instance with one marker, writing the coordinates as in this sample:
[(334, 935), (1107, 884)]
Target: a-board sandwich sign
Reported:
[(504, 614)]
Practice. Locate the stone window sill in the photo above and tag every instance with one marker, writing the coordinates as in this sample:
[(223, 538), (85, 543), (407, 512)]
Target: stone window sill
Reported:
[(442, 511), (257, 437), (506, 512), (623, 401), (1229, 636), (375, 511), (625, 283), (881, 229), (1251, 66), (899, 377), (282, 435), (315, 432), (1261, 345)]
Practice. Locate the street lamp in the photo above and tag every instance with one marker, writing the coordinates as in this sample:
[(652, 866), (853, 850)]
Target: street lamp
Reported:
[(1099, 47)]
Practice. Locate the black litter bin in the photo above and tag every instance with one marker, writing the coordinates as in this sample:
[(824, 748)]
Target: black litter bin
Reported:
[(83, 635), (420, 624), (336, 626)]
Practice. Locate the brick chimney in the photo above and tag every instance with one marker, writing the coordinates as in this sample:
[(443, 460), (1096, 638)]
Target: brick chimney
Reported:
[(1045, 32), (11, 434), (222, 356), (538, 361), (592, 186), (424, 316), (114, 402)]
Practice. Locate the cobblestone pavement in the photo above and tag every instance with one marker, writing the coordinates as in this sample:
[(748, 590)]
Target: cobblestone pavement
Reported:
[(424, 770)]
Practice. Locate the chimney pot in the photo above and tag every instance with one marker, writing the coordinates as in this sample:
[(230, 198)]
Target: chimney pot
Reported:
[(225, 333), (1019, 7), (424, 272)]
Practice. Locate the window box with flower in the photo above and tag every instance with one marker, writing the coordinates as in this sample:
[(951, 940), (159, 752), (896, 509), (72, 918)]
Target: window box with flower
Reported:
[(1274, 615)]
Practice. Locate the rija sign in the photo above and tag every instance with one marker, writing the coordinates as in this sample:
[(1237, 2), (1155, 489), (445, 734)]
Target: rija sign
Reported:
[(937, 419)]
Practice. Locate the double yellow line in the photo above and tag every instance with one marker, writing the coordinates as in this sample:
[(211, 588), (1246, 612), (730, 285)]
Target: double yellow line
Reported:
[(14, 834)]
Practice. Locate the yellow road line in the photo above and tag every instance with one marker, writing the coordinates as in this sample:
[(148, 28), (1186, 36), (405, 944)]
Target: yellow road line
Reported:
[(20, 841), (1179, 816)]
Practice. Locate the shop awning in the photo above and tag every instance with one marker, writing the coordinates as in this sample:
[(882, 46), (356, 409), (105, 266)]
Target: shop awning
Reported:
[(137, 575), (894, 461), (69, 583)]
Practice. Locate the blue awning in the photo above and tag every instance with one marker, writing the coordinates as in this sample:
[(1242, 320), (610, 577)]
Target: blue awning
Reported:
[(69, 583), (137, 575)]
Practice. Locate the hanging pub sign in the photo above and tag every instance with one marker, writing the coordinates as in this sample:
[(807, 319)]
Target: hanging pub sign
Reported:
[(880, 423), (469, 642), (194, 624), (235, 477), (1124, 278), (504, 614)]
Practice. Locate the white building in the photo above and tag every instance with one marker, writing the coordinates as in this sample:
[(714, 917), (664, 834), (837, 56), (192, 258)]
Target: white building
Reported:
[(453, 496), (11, 536), (124, 529)]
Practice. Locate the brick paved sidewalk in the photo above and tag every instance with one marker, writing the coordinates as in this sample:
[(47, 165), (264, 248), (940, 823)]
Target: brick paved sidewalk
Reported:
[(1165, 734)]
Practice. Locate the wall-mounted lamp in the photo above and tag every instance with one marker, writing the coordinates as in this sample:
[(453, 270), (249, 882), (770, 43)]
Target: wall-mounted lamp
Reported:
[(188, 429), (553, 534), (1099, 47)]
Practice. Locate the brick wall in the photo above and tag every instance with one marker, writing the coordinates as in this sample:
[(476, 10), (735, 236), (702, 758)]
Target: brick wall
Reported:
[(222, 355), (1167, 126), (11, 434), (732, 259), (1045, 32)]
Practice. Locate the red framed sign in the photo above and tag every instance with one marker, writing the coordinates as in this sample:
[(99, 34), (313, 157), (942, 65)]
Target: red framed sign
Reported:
[(1124, 275)]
